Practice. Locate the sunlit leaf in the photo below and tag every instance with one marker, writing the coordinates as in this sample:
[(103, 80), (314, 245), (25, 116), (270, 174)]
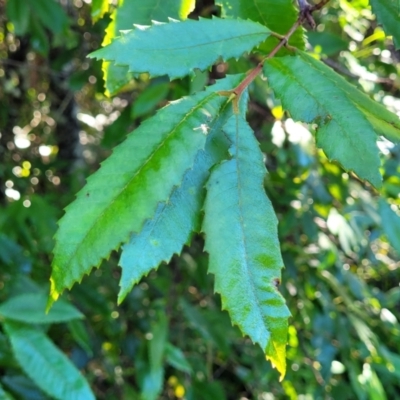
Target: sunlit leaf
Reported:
[(177, 48), (348, 121), (142, 13), (388, 14), (141, 173), (173, 223), (243, 245), (99, 8)]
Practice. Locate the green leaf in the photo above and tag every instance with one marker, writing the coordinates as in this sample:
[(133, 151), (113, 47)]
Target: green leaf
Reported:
[(117, 131), (176, 358), (31, 308), (18, 13), (45, 364), (126, 190), (149, 98), (390, 224), (143, 13), (51, 14), (38, 38), (348, 120), (242, 240), (159, 341), (277, 15), (172, 225), (329, 42), (388, 14), (99, 8), (80, 335), (210, 331), (152, 382), (177, 48), (372, 384)]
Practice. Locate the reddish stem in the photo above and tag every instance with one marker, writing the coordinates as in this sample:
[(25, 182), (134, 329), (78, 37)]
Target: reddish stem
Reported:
[(305, 15)]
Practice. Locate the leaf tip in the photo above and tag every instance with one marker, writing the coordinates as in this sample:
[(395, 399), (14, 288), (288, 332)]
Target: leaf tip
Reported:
[(53, 295), (121, 296), (279, 363)]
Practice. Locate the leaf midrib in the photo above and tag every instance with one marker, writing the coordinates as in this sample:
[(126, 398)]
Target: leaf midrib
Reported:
[(361, 115), (242, 228), (324, 107), (167, 49), (100, 216)]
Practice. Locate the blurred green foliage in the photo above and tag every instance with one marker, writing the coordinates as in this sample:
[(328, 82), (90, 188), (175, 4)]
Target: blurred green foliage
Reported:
[(169, 339)]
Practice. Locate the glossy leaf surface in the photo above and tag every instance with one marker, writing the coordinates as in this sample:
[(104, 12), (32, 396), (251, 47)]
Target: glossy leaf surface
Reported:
[(173, 223), (348, 121), (388, 14), (143, 13), (177, 48), (141, 173), (277, 15), (45, 364), (242, 239)]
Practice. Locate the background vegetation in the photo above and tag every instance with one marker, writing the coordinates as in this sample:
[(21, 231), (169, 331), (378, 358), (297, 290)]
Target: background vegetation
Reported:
[(340, 243)]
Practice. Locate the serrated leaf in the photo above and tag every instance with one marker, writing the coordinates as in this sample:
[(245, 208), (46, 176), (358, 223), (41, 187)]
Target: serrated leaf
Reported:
[(348, 120), (137, 12), (31, 308), (45, 364), (242, 240), (277, 15), (173, 223), (149, 98), (388, 14), (125, 192), (177, 48)]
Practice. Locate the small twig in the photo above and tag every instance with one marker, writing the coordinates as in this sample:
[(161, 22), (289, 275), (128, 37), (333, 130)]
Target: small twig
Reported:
[(305, 15), (340, 68), (306, 11), (253, 73)]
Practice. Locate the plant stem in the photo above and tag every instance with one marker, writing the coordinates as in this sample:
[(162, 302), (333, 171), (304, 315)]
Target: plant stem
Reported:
[(305, 15)]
